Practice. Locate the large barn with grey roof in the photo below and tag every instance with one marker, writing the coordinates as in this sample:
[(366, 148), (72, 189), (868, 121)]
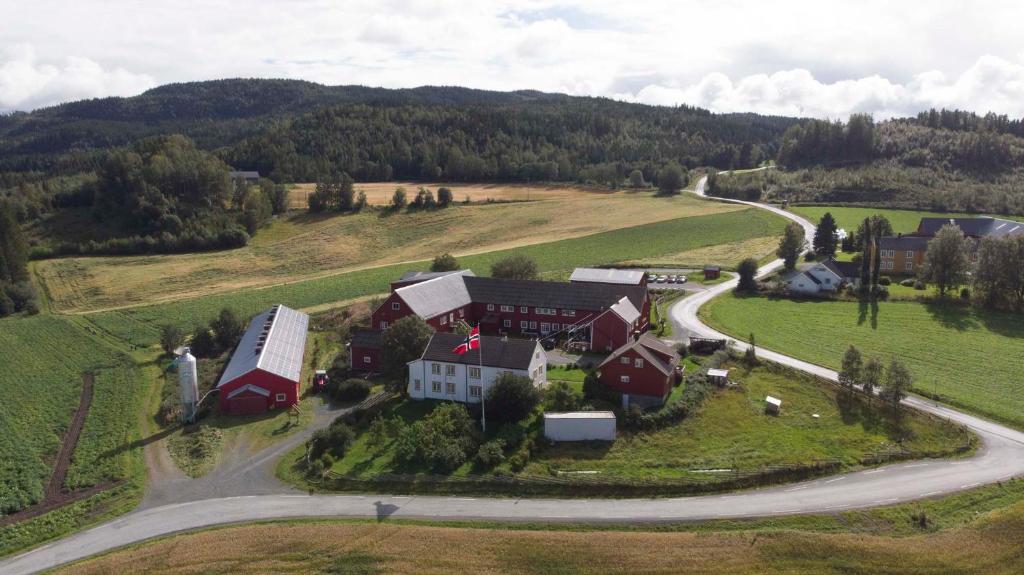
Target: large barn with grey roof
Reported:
[(266, 368)]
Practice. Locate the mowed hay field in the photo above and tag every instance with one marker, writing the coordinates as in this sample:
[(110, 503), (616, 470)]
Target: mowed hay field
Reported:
[(990, 545), (903, 221), (301, 246), (138, 325), (41, 382), (379, 193), (973, 358)]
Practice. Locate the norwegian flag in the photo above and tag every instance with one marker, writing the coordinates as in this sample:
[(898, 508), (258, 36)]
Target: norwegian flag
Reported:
[(472, 341)]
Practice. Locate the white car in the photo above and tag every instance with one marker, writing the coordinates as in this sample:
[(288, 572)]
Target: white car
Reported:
[(662, 279)]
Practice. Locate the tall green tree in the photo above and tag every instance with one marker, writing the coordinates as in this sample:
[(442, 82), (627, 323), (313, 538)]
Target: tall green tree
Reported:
[(871, 377), (13, 247), (868, 253), (227, 328), (402, 342), (511, 398), (444, 263), (748, 276), (853, 366), (399, 199), (671, 179), (898, 382), (791, 244), (345, 192), (515, 267), (826, 238), (947, 261)]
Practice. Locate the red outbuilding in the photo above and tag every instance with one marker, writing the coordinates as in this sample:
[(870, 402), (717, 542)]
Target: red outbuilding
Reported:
[(265, 370), (643, 370)]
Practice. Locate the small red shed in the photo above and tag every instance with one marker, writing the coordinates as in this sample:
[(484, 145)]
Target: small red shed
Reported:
[(644, 369), (712, 272), (265, 370)]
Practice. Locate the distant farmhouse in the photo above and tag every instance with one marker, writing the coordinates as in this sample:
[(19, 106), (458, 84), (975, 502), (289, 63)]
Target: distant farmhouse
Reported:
[(821, 278), (904, 254), (591, 315), (643, 370), (249, 177)]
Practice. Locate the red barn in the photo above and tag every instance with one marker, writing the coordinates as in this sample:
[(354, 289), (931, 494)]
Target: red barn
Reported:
[(644, 370), (265, 370)]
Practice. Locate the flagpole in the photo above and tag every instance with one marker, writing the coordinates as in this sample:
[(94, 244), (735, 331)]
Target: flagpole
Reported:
[(483, 392)]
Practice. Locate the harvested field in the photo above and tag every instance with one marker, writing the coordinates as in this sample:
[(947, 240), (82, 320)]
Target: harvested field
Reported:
[(379, 193), (303, 246), (988, 545)]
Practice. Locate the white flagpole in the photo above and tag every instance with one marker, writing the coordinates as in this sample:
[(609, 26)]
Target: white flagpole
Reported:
[(483, 392)]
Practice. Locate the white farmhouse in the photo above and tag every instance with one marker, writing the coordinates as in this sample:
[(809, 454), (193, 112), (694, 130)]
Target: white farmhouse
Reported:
[(822, 277), (443, 374)]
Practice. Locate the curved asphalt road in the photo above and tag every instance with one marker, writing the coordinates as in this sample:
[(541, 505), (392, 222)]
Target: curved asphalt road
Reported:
[(1000, 457)]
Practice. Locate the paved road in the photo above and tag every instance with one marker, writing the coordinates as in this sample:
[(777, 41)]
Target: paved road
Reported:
[(1000, 457)]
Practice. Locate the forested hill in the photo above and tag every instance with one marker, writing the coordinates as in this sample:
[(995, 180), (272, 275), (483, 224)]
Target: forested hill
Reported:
[(290, 128)]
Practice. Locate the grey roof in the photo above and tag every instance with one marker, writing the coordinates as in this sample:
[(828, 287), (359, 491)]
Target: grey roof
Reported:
[(436, 296), (648, 347), (608, 276), (843, 269), (974, 227), (624, 309), (247, 175), (561, 295), (423, 276), (500, 352), (904, 243), (366, 339), (283, 331)]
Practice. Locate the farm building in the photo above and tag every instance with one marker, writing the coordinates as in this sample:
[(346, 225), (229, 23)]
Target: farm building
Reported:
[(597, 316), (823, 277), (364, 350), (718, 377), (609, 276), (643, 370), (712, 272), (265, 370), (440, 373), (580, 426), (904, 254)]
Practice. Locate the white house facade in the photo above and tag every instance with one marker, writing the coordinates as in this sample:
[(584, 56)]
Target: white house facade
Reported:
[(440, 373)]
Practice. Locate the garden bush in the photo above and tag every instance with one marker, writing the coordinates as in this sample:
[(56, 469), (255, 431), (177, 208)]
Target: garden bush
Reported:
[(909, 282), (884, 281), (350, 390), (491, 453)]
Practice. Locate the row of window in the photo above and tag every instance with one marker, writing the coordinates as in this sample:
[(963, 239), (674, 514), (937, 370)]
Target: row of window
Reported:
[(892, 254), (536, 310), (637, 363), (890, 265), (449, 388), (449, 370)]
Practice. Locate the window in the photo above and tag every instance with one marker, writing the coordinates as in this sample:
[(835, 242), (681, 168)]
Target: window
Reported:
[(624, 360), (435, 368), (383, 325), (396, 306), (508, 308), (638, 363), (506, 323), (910, 254), (545, 311), (436, 386), (909, 265), (490, 307), (828, 281), (474, 373), (524, 325), (533, 325), (462, 313), (416, 384), (449, 388), (545, 327), (523, 309), (444, 320), (449, 370), (280, 398), (367, 359), (624, 378), (474, 391), (569, 312)]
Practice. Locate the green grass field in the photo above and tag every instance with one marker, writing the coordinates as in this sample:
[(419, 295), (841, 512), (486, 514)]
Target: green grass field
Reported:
[(972, 358), (44, 357), (731, 431), (139, 324), (903, 221)]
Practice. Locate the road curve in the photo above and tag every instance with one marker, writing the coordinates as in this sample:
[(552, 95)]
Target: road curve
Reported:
[(1000, 457)]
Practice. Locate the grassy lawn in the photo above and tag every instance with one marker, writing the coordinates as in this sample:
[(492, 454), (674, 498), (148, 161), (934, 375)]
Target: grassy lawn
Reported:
[(970, 357), (731, 431), (903, 221), (139, 324), (659, 312), (301, 246), (970, 539)]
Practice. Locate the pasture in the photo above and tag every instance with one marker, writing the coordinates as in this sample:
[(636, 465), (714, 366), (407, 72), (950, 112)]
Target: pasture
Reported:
[(303, 246), (138, 325), (970, 357), (987, 543), (44, 357), (903, 221)]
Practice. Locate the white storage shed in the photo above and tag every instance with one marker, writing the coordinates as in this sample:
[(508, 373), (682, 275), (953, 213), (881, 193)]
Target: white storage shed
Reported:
[(580, 426)]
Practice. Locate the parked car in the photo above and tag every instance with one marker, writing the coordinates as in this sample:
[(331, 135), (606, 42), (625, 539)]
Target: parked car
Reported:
[(662, 279), (682, 279), (547, 343), (652, 278), (673, 279)]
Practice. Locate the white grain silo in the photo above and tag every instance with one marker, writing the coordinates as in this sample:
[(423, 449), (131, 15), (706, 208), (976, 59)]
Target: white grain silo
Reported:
[(188, 380)]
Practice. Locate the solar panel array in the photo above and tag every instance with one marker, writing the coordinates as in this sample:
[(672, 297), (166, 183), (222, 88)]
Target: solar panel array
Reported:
[(275, 342)]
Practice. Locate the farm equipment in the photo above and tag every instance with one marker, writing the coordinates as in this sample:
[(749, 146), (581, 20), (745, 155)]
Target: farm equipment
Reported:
[(320, 380)]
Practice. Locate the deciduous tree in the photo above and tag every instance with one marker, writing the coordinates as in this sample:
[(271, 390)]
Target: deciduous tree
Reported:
[(853, 365), (515, 267), (791, 244), (897, 383), (402, 342), (444, 263), (748, 275), (948, 260)]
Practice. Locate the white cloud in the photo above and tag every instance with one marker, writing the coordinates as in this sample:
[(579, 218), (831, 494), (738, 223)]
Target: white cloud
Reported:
[(26, 83), (823, 58)]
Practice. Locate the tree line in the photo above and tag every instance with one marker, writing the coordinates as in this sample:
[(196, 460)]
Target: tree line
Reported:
[(16, 291)]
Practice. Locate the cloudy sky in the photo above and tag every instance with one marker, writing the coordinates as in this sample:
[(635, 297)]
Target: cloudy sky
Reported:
[(815, 58)]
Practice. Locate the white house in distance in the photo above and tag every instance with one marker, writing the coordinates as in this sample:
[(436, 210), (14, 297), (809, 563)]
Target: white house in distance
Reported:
[(821, 277), (441, 373)]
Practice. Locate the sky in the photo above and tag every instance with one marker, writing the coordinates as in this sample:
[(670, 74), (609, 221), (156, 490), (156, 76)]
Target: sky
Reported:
[(821, 58)]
